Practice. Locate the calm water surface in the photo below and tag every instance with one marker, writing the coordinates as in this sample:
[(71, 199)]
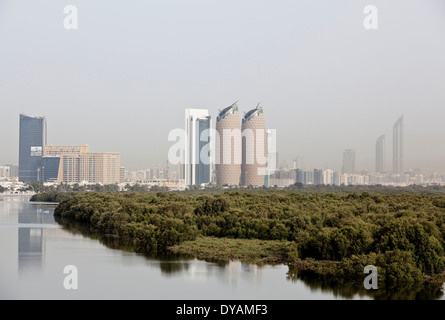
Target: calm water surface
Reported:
[(34, 249)]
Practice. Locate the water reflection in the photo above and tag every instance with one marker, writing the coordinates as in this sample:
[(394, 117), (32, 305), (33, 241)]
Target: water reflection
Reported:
[(230, 272), (172, 264), (31, 241), (351, 289)]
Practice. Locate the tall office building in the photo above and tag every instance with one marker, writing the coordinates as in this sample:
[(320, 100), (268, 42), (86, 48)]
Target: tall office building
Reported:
[(197, 162), (380, 154), (228, 161), (254, 144), (348, 161), (32, 140), (397, 146)]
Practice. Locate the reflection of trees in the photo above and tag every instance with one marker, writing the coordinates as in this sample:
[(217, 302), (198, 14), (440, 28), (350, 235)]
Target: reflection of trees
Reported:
[(170, 262), (351, 289), (170, 267)]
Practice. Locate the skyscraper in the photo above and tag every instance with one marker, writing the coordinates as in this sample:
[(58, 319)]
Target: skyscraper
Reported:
[(228, 161), (348, 161), (380, 154), (397, 146), (32, 140), (253, 167), (197, 162)]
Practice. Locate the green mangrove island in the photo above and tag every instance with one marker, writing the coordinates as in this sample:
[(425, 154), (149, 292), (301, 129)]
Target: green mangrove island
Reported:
[(328, 234)]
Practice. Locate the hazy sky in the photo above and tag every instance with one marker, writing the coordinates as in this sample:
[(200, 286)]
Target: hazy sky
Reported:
[(121, 81)]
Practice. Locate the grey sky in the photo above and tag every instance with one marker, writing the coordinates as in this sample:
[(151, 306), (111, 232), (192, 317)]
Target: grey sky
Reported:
[(121, 81)]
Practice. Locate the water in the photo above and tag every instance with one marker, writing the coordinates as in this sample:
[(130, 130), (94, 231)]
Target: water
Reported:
[(34, 250)]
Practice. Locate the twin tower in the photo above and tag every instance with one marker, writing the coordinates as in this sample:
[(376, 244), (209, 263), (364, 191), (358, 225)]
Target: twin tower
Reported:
[(238, 154), (242, 147)]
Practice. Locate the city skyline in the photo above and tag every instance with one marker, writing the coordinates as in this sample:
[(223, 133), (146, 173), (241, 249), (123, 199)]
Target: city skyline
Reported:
[(199, 120), (327, 83), (75, 164)]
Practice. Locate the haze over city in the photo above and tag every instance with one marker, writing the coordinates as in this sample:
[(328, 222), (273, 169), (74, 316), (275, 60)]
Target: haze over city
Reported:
[(121, 81)]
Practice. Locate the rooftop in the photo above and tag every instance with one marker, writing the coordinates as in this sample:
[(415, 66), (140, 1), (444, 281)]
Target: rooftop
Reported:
[(227, 111), (253, 113)]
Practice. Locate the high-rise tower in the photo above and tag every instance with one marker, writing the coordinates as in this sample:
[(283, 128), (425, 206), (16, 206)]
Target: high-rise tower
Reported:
[(397, 147), (348, 161), (380, 154), (228, 161), (197, 162), (32, 140), (253, 167)]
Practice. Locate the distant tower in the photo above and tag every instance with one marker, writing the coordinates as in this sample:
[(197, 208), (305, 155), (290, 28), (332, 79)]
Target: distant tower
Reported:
[(348, 161), (197, 169), (380, 154), (228, 127), (397, 147), (253, 148), (32, 140)]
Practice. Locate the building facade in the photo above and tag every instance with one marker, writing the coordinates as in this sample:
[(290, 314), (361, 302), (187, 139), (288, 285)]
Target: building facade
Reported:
[(57, 151), (228, 143), (254, 144), (74, 164)]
